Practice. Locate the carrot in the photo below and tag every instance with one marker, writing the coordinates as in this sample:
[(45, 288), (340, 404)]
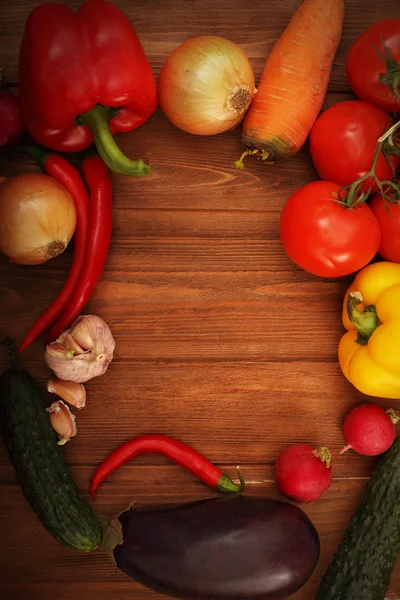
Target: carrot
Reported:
[(294, 82)]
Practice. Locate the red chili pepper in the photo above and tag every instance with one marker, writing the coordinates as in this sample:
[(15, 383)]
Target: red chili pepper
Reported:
[(100, 226), (58, 167), (178, 452)]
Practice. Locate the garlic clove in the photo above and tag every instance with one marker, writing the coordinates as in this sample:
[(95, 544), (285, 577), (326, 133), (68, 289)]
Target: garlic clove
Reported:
[(81, 331), (67, 340), (70, 391), (59, 351), (62, 421)]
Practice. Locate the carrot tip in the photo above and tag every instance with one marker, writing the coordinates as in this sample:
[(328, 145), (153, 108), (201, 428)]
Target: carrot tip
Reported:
[(263, 155), (239, 164)]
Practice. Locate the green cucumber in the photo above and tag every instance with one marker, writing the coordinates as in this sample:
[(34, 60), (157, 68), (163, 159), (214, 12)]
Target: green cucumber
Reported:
[(362, 567), (39, 465)]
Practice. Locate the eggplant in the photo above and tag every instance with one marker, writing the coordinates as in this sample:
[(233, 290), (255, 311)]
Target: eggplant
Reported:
[(226, 548)]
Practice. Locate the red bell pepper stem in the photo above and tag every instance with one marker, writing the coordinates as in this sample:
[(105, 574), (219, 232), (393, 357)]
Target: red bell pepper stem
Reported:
[(176, 451), (58, 167), (98, 119), (100, 227)]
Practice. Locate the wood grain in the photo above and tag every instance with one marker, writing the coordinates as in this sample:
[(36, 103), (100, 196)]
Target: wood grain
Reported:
[(221, 341), (254, 25)]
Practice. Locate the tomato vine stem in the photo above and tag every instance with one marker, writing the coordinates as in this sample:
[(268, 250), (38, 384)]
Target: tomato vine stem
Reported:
[(352, 195)]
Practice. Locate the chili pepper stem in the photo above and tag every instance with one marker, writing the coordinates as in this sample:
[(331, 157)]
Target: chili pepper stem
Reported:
[(39, 155), (98, 119), (225, 483), (365, 321), (241, 479)]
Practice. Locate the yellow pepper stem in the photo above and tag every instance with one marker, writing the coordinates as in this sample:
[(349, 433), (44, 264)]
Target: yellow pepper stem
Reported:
[(365, 321)]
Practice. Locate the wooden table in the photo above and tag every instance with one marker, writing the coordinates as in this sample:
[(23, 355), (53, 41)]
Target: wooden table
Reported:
[(222, 342)]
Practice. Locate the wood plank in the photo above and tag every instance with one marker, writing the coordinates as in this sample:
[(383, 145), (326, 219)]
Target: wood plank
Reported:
[(192, 173), (165, 316), (133, 399), (251, 24), (222, 341)]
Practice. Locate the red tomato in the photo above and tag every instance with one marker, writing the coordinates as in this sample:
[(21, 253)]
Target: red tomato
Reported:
[(343, 141), (365, 67), (322, 236), (388, 217)]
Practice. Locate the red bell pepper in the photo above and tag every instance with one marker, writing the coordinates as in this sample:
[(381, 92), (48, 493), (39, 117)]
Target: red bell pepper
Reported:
[(83, 77)]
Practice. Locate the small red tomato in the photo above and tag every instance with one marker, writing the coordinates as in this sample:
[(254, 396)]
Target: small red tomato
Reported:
[(302, 473), (369, 429), (325, 238), (388, 216), (11, 124), (343, 142), (373, 71)]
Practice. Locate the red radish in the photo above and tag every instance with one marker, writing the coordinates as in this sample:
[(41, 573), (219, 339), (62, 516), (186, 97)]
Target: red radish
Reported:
[(369, 429), (302, 473)]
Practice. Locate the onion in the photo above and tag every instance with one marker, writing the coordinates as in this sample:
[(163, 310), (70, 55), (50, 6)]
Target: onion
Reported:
[(206, 85), (38, 218)]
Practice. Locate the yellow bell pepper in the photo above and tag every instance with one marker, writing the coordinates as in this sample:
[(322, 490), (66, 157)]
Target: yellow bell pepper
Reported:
[(369, 353)]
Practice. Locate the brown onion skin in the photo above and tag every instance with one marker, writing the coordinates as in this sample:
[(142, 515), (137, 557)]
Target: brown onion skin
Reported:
[(226, 548), (206, 85), (38, 218)]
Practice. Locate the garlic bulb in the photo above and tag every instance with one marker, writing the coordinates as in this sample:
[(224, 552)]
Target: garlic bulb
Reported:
[(70, 391), (82, 352), (62, 421)]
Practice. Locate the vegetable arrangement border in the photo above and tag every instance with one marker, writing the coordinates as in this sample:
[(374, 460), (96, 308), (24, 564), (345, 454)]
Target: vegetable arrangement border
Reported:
[(332, 227)]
